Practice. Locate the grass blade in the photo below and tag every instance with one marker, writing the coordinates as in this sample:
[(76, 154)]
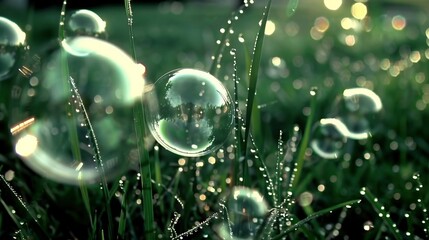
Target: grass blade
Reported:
[(254, 71), (291, 7), (9, 194), (139, 124), (305, 140), (381, 212), (313, 216)]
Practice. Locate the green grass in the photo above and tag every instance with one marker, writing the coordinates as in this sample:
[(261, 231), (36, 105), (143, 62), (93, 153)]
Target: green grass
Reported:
[(163, 198)]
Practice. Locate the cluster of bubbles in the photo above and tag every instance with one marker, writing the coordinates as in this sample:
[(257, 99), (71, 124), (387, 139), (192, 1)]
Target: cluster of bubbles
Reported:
[(189, 112), (247, 209), (355, 110), (12, 42), (71, 117)]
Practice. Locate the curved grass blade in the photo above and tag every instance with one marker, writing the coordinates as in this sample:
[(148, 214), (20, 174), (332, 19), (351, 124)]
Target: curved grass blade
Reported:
[(381, 212), (291, 7), (222, 43), (305, 140), (124, 211), (139, 125), (6, 191), (313, 216), (254, 70)]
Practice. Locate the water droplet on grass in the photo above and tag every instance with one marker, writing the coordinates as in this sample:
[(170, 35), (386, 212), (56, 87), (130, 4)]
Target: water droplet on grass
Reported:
[(56, 141), (190, 112), (12, 40)]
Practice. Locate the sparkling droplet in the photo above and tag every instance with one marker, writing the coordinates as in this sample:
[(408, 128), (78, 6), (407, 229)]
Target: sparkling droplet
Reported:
[(62, 134), (12, 40), (190, 112)]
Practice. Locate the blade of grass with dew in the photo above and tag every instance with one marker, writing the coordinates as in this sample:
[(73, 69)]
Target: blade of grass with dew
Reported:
[(8, 194), (291, 7), (419, 190), (124, 211), (237, 123), (253, 74), (381, 212), (71, 119), (305, 139), (221, 45), (85, 198), (139, 124), (314, 216), (98, 158)]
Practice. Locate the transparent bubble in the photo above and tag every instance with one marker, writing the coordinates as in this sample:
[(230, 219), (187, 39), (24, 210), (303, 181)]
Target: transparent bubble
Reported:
[(328, 137), (12, 41), (360, 107), (189, 112), (86, 23), (246, 210), (76, 104)]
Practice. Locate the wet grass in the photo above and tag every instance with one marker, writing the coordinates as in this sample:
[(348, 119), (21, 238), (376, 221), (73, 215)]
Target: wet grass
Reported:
[(184, 196)]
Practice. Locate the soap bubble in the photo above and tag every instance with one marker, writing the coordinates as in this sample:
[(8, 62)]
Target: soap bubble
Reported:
[(86, 23), (360, 107), (72, 104), (247, 209), (189, 112), (12, 41), (328, 137)]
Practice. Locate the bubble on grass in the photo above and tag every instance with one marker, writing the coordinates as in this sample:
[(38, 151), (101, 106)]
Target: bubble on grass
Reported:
[(247, 209), (12, 41), (86, 23), (79, 107), (328, 137), (189, 112), (360, 107)]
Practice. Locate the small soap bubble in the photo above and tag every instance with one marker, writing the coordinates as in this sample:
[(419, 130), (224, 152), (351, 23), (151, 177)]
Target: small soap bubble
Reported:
[(189, 112), (328, 137), (63, 129), (360, 107), (12, 42), (246, 210), (86, 23)]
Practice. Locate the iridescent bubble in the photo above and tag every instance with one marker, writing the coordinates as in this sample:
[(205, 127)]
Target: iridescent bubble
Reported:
[(74, 106), (86, 23), (328, 138), (361, 105), (247, 209), (12, 41), (189, 112)]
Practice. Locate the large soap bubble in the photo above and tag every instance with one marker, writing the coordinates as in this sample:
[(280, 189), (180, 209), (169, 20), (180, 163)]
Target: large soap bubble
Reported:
[(189, 112), (328, 137), (73, 106), (247, 209), (360, 107), (12, 41), (86, 23)]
